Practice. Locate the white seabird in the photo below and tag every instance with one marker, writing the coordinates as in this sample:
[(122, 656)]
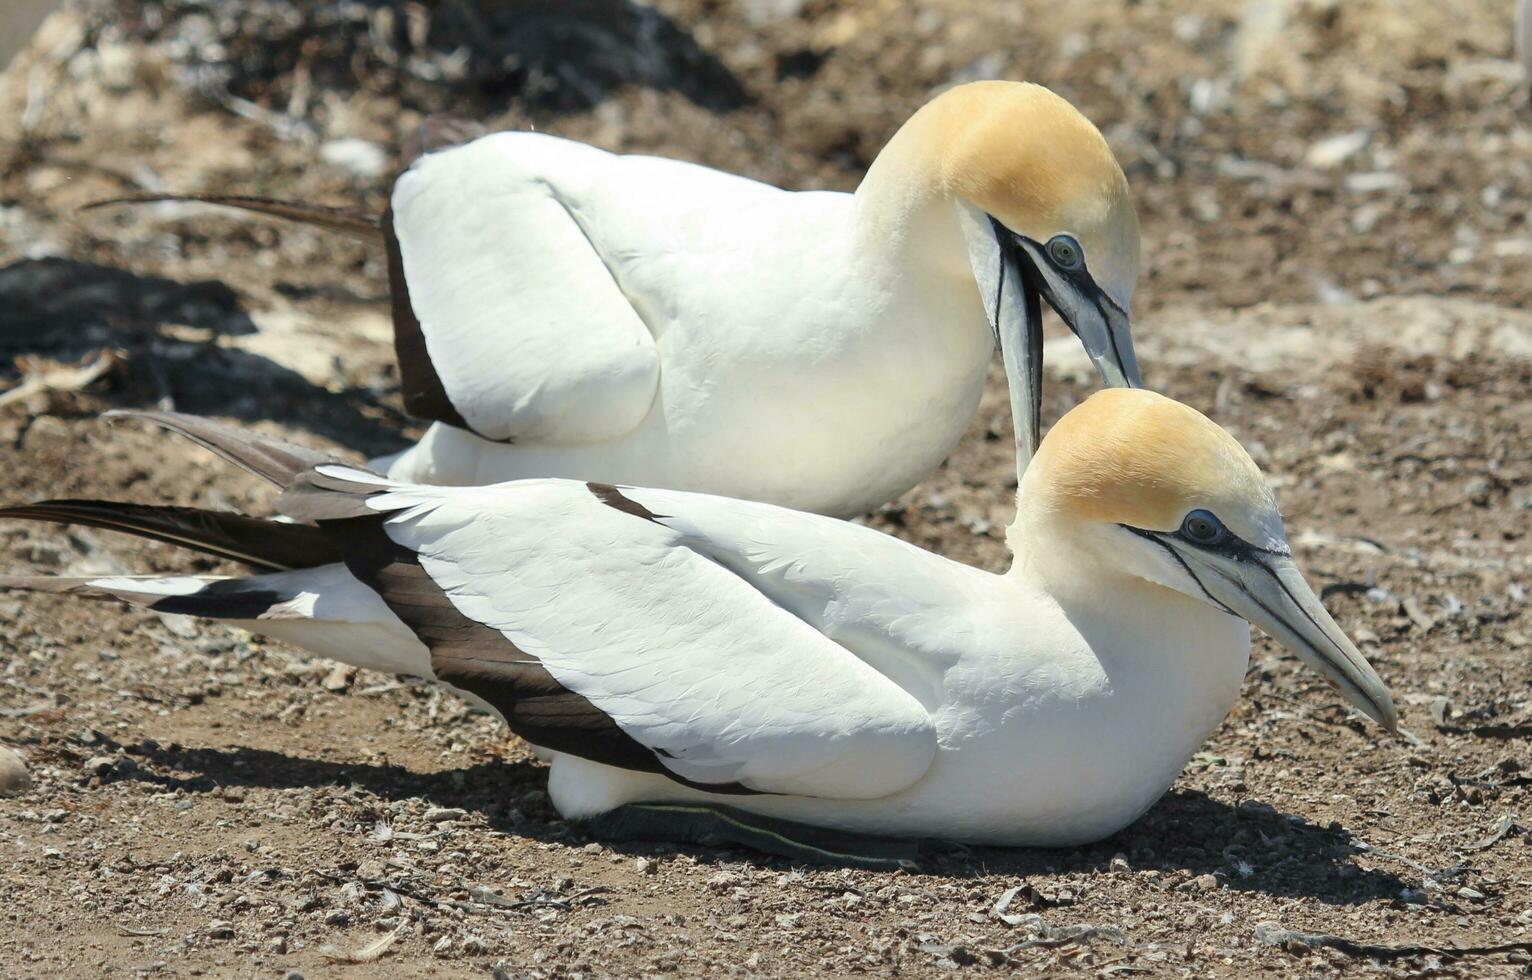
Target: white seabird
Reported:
[(702, 666), (562, 311)]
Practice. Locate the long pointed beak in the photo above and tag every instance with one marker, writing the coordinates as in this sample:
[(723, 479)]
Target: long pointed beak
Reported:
[(1268, 590), (1103, 328), (1014, 307)]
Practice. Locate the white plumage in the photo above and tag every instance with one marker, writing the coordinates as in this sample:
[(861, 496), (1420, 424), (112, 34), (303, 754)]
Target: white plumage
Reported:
[(632, 319), (668, 646), (662, 324)]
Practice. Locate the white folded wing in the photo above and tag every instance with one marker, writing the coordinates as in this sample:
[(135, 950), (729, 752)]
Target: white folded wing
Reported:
[(542, 271), (692, 659), (524, 325)]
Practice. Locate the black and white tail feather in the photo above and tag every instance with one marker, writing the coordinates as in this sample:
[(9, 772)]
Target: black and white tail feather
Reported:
[(330, 579), (586, 616), (302, 591)]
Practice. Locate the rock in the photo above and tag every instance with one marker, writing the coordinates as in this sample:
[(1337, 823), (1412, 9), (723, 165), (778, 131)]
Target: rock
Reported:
[(476, 945), (1335, 150), (117, 66), (1205, 883), (98, 765), (362, 158), (14, 777), (1369, 183), (760, 13), (339, 678), (441, 814)]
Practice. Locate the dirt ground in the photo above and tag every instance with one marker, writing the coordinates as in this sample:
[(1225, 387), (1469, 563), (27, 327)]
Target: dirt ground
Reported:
[(1334, 200)]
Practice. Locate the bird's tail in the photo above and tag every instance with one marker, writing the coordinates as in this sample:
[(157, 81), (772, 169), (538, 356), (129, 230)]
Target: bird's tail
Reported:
[(349, 220), (323, 610), (264, 545), (302, 591)]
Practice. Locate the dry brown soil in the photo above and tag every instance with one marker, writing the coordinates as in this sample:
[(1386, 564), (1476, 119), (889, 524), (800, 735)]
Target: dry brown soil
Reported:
[(1335, 205)]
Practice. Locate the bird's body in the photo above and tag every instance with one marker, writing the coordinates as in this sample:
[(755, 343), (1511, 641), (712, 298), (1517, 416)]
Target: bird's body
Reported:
[(562, 311), (665, 647), (732, 338), (986, 709)]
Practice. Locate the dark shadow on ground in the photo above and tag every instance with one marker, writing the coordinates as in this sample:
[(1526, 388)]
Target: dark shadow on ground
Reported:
[(67, 310), (1250, 847), (468, 56)]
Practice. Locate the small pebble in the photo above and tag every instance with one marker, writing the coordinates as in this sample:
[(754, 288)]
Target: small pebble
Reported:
[(475, 945), (14, 777)]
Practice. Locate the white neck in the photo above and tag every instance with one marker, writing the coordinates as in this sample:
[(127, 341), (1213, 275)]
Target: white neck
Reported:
[(903, 213), (1182, 657)]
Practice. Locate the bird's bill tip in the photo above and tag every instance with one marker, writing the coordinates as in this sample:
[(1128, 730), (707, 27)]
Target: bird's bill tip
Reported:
[(1274, 596), (1107, 335)]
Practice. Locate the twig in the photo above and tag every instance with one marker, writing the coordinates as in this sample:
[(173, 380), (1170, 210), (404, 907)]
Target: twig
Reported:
[(1273, 934), (1503, 828)]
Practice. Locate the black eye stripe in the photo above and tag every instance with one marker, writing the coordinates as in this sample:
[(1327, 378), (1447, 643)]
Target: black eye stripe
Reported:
[(1155, 537), (1231, 546)]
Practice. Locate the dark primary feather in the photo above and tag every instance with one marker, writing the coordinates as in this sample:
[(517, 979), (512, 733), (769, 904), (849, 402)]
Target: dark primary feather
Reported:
[(356, 222), (268, 546), (272, 460), (467, 654), (424, 394), (482, 660)]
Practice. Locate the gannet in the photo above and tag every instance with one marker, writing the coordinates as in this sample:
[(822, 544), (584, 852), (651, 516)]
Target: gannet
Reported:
[(794, 678), (564, 311)]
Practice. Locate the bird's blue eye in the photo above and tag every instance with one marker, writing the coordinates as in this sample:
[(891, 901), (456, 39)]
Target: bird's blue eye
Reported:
[(1201, 527), (1065, 252)]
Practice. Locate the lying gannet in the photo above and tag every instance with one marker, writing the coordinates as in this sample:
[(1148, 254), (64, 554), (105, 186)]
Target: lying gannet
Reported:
[(563, 311), (737, 671)]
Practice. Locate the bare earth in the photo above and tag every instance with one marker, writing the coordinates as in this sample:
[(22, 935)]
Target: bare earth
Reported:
[(1334, 199)]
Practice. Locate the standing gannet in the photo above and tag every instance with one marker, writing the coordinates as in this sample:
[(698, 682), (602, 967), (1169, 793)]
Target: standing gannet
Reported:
[(792, 678), (564, 311)]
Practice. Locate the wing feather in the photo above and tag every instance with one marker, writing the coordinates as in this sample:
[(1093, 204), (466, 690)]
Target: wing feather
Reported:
[(691, 660), (523, 328)]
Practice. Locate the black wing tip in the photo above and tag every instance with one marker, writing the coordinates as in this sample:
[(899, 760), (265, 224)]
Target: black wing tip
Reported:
[(612, 495), (322, 215), (424, 394)]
